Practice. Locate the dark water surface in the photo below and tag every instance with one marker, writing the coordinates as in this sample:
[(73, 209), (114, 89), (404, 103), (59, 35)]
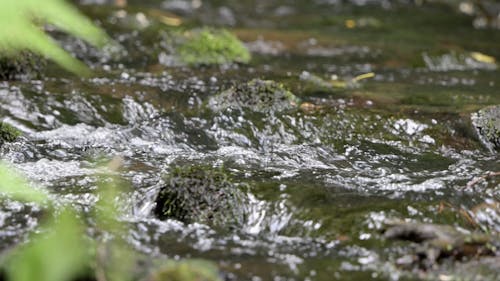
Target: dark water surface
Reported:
[(321, 178)]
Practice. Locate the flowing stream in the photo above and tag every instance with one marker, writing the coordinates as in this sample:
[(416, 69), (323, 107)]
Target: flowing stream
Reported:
[(320, 178)]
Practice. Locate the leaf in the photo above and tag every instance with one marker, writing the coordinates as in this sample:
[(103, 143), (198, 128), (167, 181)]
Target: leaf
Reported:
[(60, 254), (18, 32), (480, 57), (17, 188), (115, 259)]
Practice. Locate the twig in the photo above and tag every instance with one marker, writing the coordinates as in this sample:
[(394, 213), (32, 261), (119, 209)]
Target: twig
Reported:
[(461, 211), (477, 180), (468, 218)]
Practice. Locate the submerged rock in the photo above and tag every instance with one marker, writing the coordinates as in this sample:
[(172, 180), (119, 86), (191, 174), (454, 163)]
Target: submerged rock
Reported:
[(257, 95), (8, 133), (208, 46), (24, 63), (200, 194), (190, 270), (440, 241), (487, 124)]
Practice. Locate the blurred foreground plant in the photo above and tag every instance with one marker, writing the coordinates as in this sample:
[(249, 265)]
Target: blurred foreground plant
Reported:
[(18, 30), (46, 258), (61, 251)]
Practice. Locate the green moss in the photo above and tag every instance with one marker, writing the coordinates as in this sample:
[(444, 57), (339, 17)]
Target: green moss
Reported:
[(24, 63), (199, 194), (192, 270), (212, 46), (257, 95), (8, 133)]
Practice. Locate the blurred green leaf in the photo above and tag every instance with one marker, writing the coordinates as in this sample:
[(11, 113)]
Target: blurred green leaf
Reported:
[(18, 31), (59, 254), (16, 187), (115, 258)]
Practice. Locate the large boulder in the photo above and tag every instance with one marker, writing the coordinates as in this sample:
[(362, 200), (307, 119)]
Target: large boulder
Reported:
[(200, 194), (487, 124)]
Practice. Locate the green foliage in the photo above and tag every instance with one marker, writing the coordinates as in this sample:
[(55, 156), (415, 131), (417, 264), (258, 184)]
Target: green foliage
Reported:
[(106, 211), (8, 133), (114, 257), (18, 31), (61, 251), (59, 254), (212, 46), (16, 187)]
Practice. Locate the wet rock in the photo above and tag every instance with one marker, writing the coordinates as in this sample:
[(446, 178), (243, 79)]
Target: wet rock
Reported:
[(461, 61), (487, 124), (257, 95), (192, 270), (266, 47), (8, 133), (22, 64), (226, 16), (437, 242), (200, 194), (182, 7), (208, 46)]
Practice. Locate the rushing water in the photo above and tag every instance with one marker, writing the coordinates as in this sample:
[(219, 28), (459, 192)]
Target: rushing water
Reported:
[(321, 178)]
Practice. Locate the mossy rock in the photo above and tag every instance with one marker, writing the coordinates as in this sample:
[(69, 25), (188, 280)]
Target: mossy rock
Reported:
[(191, 270), (200, 194), (8, 133), (487, 124), (208, 46), (21, 64), (257, 95)]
